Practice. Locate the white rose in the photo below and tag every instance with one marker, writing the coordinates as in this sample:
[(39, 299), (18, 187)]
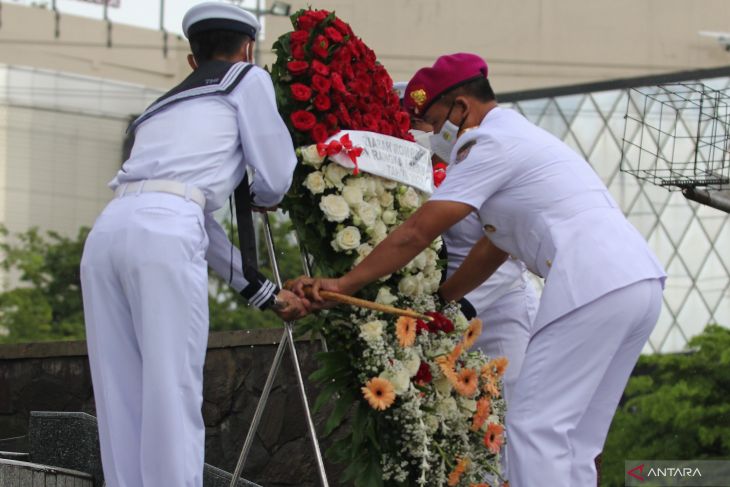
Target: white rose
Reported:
[(376, 206), (362, 252), (359, 183), (409, 199), (378, 231), (390, 217), (346, 239), (389, 184), (379, 188), (386, 200), (420, 260), (408, 286), (366, 214), (385, 296), (334, 207), (442, 385), (469, 405), (314, 182), (431, 257), (372, 330), (412, 361), (352, 195), (334, 174), (310, 156), (370, 187), (398, 376)]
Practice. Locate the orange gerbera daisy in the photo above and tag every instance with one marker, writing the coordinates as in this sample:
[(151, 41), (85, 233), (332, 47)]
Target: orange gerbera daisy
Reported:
[(494, 437), (500, 365), (405, 330), (379, 393), (447, 364), (491, 387), (480, 485), (472, 333), (466, 382), (459, 470), (484, 407)]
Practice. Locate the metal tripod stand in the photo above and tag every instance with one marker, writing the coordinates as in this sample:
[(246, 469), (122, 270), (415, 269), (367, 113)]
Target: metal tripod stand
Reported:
[(287, 340)]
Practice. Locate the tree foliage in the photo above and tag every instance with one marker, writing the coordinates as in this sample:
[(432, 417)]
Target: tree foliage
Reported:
[(675, 407), (44, 302)]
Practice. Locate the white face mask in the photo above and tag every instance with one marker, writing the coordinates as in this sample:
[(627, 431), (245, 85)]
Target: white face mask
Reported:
[(444, 141), (422, 138)]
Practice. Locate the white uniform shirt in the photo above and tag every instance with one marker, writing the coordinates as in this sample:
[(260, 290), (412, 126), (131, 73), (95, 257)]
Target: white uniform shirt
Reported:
[(542, 203), (459, 241), (208, 142)]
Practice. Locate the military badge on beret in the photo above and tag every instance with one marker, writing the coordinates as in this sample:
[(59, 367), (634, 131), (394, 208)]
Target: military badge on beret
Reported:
[(418, 97)]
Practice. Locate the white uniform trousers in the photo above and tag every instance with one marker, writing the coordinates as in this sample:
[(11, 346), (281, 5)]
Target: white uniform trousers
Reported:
[(574, 373), (506, 331), (145, 289)]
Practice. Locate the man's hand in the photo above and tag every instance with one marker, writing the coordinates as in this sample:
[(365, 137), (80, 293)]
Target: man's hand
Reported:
[(294, 307), (313, 286)]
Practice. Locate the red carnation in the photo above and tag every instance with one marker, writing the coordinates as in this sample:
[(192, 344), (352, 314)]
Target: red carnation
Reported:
[(322, 102), (302, 120), (297, 67), (421, 327), (333, 34), (337, 83), (385, 128), (321, 84), (299, 37), (319, 132), (320, 45), (301, 92), (320, 68), (423, 376)]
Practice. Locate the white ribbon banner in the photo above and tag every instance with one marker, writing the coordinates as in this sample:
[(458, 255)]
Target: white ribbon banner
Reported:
[(389, 157)]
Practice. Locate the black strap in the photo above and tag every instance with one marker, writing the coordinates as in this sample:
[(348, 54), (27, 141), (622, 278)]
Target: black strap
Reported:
[(244, 218)]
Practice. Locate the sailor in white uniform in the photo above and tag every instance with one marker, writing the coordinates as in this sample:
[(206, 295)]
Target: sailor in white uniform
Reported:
[(144, 267), (543, 204)]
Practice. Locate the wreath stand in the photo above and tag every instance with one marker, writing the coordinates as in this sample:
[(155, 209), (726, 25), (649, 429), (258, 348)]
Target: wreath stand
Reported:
[(287, 341)]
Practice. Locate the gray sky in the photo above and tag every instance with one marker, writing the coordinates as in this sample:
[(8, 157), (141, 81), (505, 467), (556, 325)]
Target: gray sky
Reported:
[(143, 13)]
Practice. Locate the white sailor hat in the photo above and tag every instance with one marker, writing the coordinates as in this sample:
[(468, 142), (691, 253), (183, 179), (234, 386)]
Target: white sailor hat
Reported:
[(219, 16)]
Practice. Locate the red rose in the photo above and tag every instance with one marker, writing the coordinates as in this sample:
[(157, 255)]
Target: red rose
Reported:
[(302, 120), (320, 68), (299, 37), (330, 120), (343, 115), (297, 67), (385, 128), (298, 52), (421, 327), (306, 23), (318, 15), (423, 376), (403, 120), (341, 26), (322, 102), (319, 132), (370, 122), (321, 84), (337, 83), (320, 45), (439, 323), (301, 92), (333, 34)]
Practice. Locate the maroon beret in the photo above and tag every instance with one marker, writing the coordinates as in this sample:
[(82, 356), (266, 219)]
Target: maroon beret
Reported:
[(447, 73)]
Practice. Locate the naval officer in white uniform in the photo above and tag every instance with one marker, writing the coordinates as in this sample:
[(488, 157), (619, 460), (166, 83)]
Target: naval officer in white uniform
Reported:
[(506, 302), (144, 267), (542, 203)]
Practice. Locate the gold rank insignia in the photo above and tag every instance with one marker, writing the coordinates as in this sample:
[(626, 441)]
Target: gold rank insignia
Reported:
[(464, 150), (419, 97)]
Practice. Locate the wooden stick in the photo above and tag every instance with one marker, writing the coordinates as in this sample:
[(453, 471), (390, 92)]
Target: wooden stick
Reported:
[(364, 303)]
